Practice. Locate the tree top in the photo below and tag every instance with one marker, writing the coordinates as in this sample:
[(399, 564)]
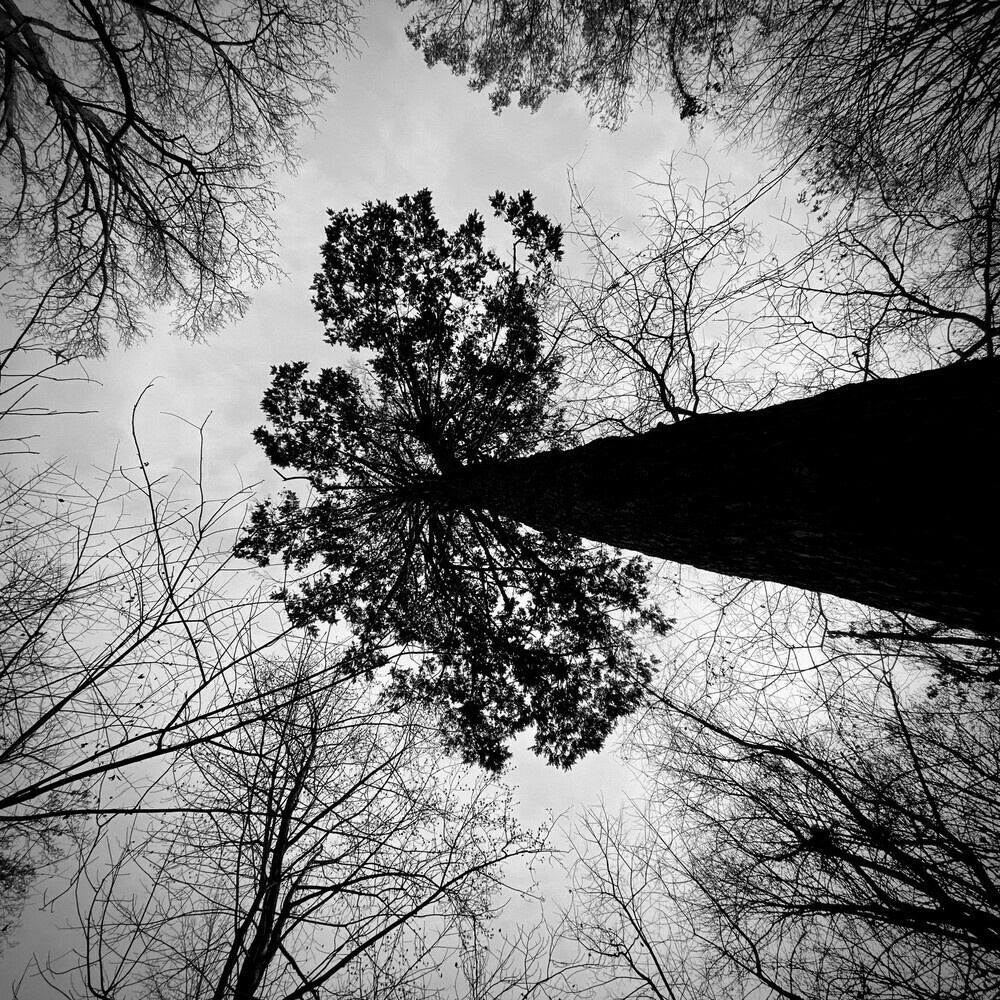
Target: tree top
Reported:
[(498, 627)]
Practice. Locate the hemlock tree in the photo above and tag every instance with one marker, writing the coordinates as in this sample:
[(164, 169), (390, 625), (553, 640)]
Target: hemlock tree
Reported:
[(423, 470), (508, 628)]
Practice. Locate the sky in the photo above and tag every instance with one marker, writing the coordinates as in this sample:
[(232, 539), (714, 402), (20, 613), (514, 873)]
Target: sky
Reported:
[(393, 127)]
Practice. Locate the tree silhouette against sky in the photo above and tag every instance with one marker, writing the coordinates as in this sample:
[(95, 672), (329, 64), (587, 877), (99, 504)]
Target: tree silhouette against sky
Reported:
[(508, 628), (449, 499)]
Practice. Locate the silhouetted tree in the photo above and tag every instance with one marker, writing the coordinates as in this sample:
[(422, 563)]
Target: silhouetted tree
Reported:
[(323, 847), (508, 627), (889, 97), (423, 470), (839, 845), (123, 642), (136, 142), (696, 314), (612, 52)]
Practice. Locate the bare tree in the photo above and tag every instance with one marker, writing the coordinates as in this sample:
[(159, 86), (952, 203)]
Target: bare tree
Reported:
[(710, 306), (26, 365), (137, 139), (674, 319), (124, 634), (326, 847), (911, 113), (838, 843)]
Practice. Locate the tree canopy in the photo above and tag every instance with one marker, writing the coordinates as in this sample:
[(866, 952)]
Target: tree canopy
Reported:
[(449, 496), (886, 97), (503, 628)]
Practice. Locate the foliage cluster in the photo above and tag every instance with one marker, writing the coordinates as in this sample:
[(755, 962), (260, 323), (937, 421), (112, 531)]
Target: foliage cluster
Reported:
[(890, 98), (504, 627)]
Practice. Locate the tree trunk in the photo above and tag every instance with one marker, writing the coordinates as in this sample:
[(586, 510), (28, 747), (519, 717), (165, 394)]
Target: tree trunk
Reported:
[(883, 492)]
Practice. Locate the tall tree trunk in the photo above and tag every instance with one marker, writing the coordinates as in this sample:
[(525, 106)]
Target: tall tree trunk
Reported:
[(883, 492)]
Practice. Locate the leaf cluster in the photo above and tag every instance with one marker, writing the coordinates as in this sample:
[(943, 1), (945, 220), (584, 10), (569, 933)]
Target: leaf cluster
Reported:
[(612, 53), (502, 628)]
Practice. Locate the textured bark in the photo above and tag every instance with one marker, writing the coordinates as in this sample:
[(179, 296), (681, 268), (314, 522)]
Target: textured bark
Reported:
[(884, 493)]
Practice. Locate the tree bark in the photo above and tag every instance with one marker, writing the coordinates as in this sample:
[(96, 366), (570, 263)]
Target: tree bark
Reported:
[(883, 492)]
